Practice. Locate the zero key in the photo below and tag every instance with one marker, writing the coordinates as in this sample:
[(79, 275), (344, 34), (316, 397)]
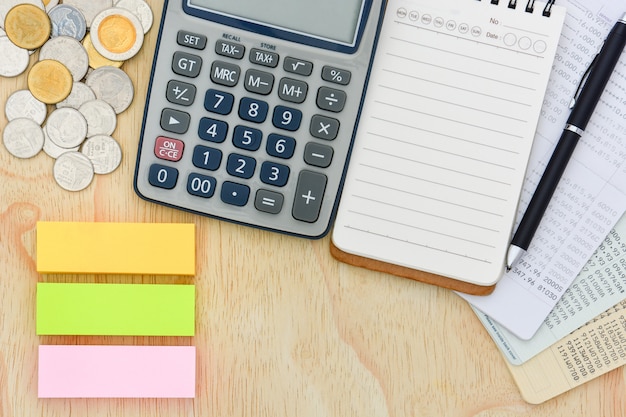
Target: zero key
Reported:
[(309, 196)]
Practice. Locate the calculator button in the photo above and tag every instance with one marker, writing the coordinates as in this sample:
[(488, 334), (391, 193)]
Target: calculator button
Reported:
[(207, 158), (259, 82), (223, 73), (318, 155), (287, 118), (331, 99), (323, 127), (180, 93), (240, 166), (163, 176), (269, 201), (201, 185), (280, 146), (169, 149), (253, 110), (191, 40), (175, 121), (247, 138), (274, 174), (213, 130), (309, 196), (265, 58), (336, 75), (218, 102), (235, 194), (230, 49), (187, 65), (298, 66), (293, 90)]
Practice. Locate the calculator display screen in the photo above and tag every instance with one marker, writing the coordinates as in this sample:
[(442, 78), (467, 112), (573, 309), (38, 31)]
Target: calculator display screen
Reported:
[(332, 20)]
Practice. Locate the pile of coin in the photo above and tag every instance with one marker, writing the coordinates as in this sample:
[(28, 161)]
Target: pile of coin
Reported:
[(76, 88)]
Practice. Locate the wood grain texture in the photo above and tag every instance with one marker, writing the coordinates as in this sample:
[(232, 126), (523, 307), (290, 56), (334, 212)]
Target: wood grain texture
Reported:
[(283, 329)]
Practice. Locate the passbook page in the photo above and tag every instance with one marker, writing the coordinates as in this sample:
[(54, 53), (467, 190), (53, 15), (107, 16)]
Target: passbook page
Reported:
[(591, 196), (599, 286), (445, 135)]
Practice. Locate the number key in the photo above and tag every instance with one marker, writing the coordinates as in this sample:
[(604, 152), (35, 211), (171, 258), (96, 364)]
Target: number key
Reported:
[(280, 146), (207, 158), (247, 138), (163, 176), (201, 185), (274, 174), (253, 110), (240, 166), (212, 130), (287, 118), (218, 102)]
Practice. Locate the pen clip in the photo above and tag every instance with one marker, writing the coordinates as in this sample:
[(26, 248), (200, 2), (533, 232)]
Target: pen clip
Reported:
[(572, 103)]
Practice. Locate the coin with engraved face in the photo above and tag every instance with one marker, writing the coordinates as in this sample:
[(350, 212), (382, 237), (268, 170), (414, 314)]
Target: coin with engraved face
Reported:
[(27, 26), (69, 52), (23, 138), (68, 21), (66, 127), (117, 34), (104, 152), (113, 86), (50, 81), (73, 171), (22, 104), (14, 59)]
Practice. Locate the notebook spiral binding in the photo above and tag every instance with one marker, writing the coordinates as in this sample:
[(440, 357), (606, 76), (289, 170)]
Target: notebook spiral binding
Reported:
[(530, 6)]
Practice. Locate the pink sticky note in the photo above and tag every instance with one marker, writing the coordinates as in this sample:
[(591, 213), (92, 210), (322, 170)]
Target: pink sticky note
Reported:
[(117, 371)]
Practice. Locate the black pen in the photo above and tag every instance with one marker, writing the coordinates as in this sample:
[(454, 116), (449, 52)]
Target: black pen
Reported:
[(582, 106)]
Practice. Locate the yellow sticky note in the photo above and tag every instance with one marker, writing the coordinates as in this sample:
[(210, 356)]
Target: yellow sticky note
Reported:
[(116, 248)]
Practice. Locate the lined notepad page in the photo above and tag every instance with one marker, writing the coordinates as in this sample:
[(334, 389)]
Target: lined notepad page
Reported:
[(445, 135)]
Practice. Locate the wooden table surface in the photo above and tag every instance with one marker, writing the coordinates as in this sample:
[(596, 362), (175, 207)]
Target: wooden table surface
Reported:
[(282, 328)]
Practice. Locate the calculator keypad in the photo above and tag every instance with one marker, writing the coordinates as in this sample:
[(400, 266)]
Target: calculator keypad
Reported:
[(266, 134)]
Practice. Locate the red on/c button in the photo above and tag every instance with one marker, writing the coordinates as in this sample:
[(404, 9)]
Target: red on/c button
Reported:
[(169, 149)]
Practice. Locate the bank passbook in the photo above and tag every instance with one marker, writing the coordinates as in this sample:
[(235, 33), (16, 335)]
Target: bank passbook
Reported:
[(252, 109)]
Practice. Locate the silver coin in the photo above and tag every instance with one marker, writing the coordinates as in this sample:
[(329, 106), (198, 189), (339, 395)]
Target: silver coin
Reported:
[(113, 86), (51, 149), (68, 21), (73, 171), (104, 153), (100, 116), (23, 138), (22, 104), (69, 52), (66, 127), (14, 60), (7, 5), (139, 8), (80, 94), (89, 8)]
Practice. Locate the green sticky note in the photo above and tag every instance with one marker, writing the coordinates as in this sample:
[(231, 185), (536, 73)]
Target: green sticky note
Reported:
[(115, 309)]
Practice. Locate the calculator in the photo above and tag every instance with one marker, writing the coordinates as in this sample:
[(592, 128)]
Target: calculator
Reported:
[(252, 109)]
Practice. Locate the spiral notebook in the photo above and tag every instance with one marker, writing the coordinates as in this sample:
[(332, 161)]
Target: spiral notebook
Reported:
[(444, 139)]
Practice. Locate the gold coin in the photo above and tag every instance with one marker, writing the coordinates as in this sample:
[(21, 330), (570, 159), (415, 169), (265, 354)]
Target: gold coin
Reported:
[(95, 59), (117, 34), (50, 81), (27, 26)]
